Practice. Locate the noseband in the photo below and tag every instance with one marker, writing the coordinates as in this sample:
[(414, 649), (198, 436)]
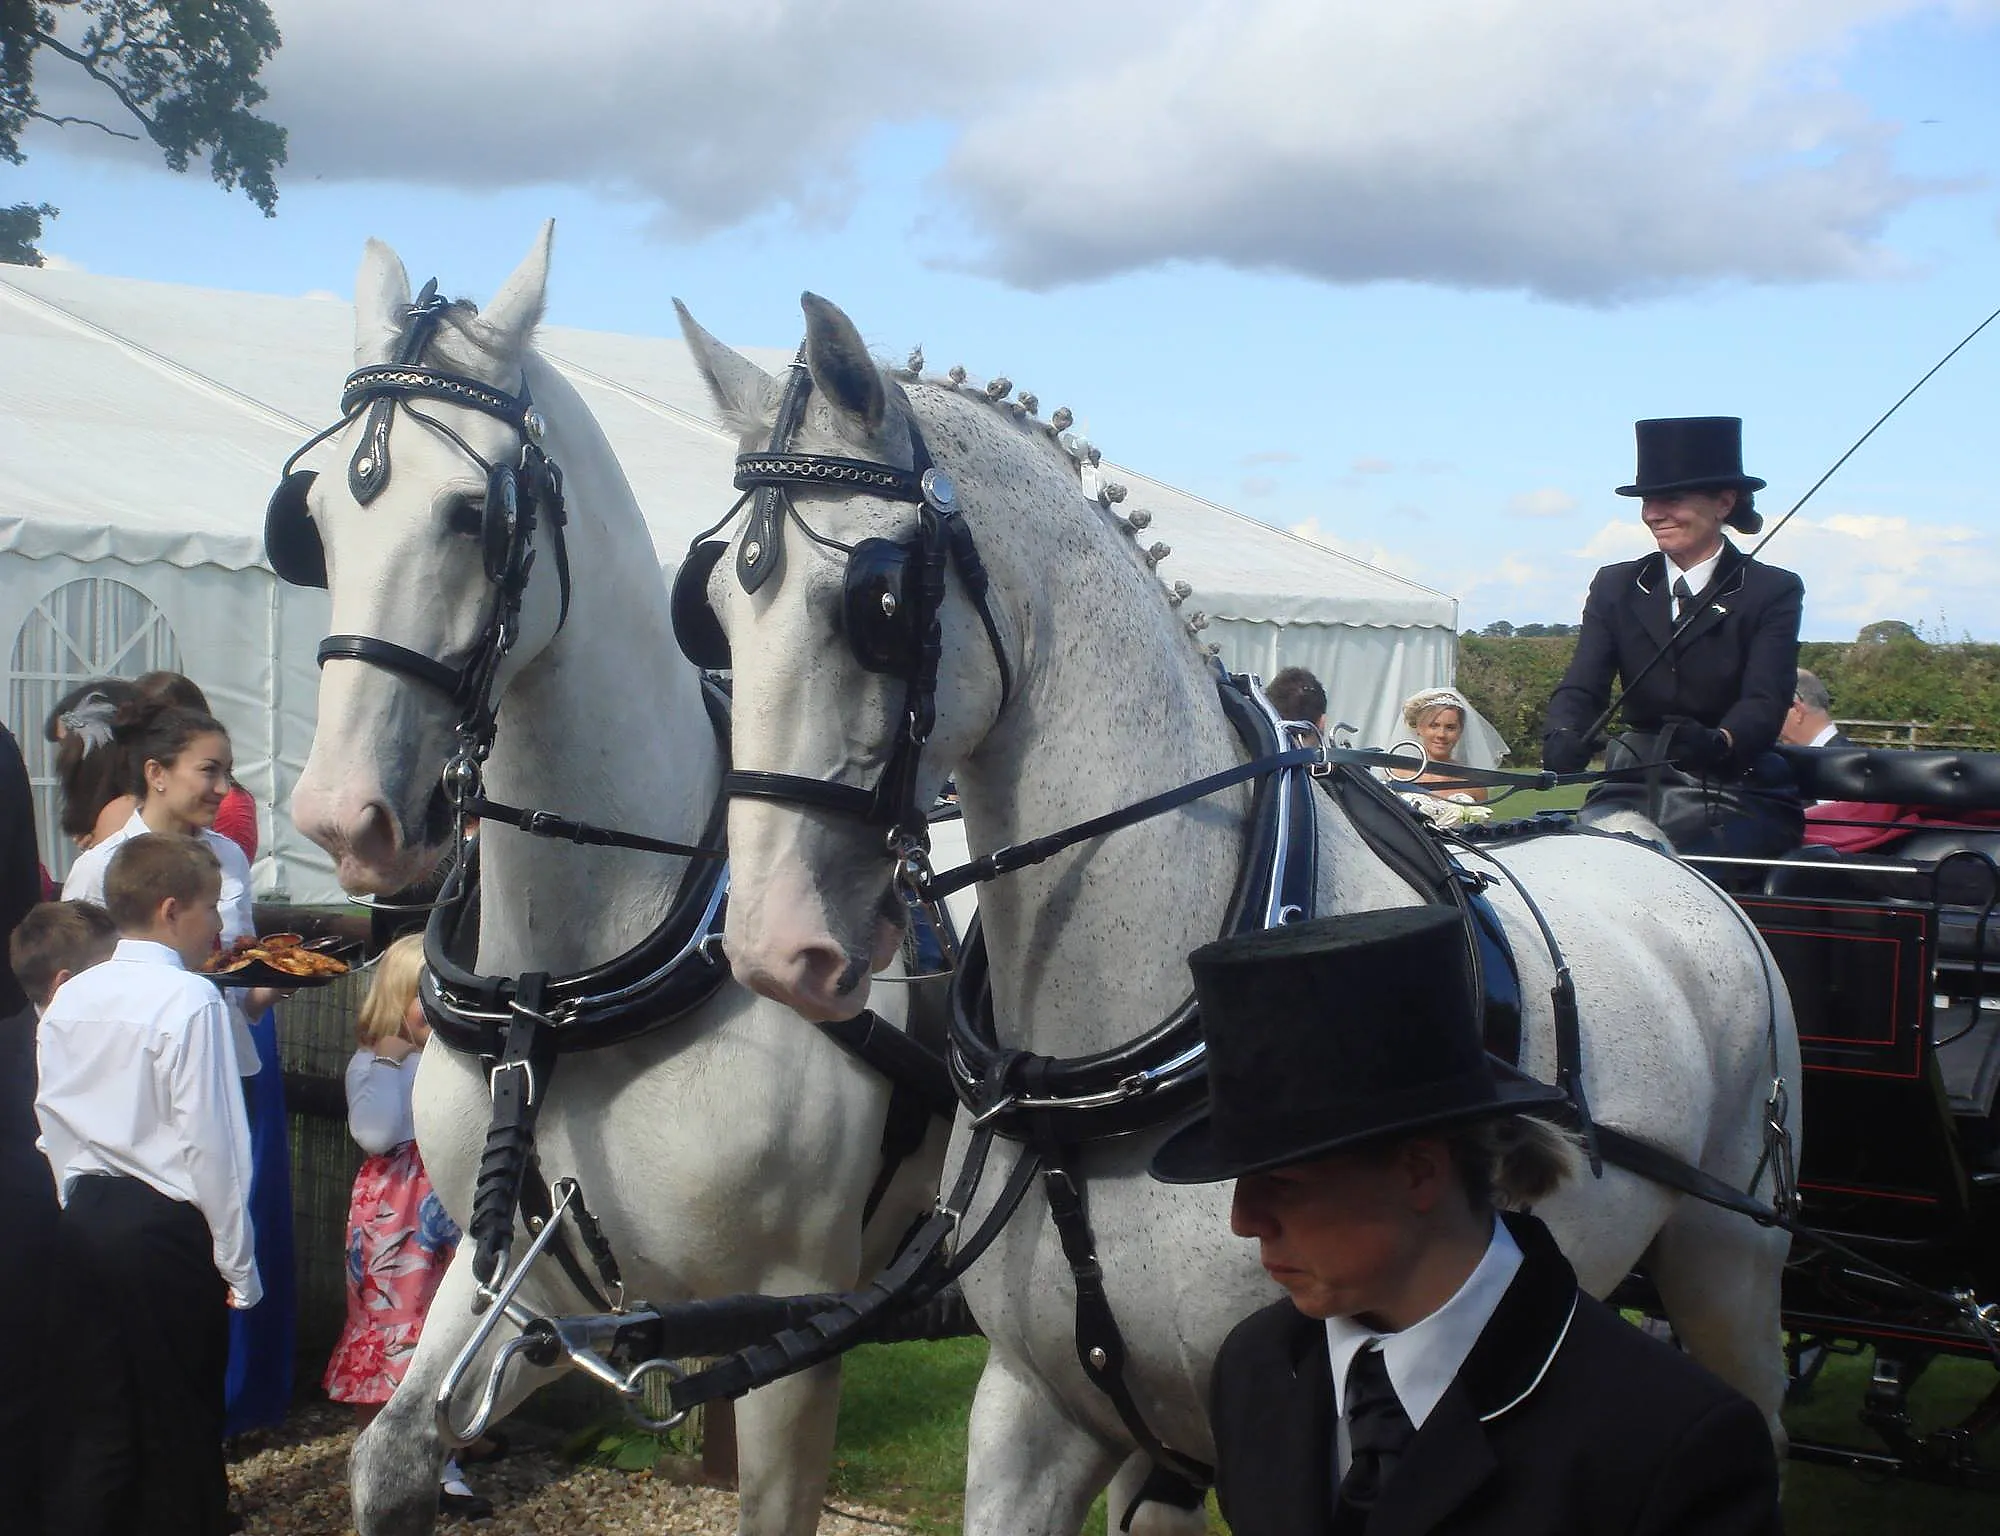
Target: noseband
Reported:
[(893, 596)]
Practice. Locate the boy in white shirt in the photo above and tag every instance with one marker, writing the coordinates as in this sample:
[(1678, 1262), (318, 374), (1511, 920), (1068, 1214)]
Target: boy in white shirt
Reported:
[(53, 942), (143, 1123)]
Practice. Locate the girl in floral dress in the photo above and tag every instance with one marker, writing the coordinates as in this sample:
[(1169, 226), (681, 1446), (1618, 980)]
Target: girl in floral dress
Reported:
[(399, 1238)]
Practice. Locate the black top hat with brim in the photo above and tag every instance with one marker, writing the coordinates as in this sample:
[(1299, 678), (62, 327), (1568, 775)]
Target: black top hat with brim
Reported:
[(1328, 1034), (1693, 453)]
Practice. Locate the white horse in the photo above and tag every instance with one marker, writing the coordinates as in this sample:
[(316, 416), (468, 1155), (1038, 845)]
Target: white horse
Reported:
[(1112, 701), (732, 1152)]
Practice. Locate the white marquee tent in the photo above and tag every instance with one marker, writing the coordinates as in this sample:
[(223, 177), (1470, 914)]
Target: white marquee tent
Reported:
[(142, 426)]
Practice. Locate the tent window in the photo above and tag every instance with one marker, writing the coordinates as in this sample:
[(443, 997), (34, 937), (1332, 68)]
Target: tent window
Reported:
[(93, 627)]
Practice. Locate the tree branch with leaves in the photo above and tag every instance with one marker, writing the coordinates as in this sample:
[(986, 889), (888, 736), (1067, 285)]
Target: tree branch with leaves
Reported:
[(182, 73)]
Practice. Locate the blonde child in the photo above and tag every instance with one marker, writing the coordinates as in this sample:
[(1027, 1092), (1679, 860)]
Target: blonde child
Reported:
[(399, 1238)]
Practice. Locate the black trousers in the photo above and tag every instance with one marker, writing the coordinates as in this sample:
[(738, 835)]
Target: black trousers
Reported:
[(138, 1351), (27, 1229)]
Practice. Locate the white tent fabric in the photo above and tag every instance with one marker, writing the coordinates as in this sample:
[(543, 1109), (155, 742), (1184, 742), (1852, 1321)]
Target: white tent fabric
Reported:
[(141, 430)]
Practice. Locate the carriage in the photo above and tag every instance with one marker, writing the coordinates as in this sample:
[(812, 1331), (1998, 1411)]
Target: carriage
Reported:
[(1892, 958)]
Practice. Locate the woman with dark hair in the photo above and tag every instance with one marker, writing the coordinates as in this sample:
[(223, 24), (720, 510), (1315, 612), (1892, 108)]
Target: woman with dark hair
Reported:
[(236, 817), (92, 766)]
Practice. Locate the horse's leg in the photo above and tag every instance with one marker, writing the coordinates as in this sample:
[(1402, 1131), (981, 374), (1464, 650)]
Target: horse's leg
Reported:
[(1029, 1470), (393, 1473), (1150, 1518), (1718, 1276), (783, 1450)]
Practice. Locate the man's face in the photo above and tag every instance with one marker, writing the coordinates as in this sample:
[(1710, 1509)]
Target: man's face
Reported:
[(1343, 1234), (1687, 525), (1799, 726)]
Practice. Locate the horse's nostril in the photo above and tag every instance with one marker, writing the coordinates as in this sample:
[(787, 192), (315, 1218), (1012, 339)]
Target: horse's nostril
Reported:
[(373, 835)]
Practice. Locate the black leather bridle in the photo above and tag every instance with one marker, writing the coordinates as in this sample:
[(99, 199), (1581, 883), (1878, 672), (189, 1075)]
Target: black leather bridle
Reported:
[(520, 498), (899, 584)]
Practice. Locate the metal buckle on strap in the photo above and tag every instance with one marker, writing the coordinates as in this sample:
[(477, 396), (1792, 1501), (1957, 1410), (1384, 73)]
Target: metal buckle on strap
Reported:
[(523, 1066)]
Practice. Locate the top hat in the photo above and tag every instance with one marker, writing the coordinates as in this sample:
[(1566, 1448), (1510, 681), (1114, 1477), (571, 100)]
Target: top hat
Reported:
[(1326, 1034), (1693, 453)]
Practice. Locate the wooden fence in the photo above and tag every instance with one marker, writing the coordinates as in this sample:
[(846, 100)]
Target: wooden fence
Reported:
[(1912, 734)]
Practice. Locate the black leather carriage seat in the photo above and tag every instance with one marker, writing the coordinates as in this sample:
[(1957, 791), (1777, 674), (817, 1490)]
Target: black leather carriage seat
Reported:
[(1947, 782)]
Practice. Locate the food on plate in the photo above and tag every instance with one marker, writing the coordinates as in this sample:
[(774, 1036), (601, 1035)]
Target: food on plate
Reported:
[(286, 952)]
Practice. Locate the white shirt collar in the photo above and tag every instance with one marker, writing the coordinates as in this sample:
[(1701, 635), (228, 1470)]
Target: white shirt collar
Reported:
[(148, 952), (1826, 733), (1424, 1359), (1698, 576)]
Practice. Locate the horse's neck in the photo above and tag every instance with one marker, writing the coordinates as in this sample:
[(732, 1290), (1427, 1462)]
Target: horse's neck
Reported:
[(1091, 947), (607, 725)]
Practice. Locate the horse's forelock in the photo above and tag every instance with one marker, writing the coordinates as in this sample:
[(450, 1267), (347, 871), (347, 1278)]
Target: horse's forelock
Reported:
[(467, 343)]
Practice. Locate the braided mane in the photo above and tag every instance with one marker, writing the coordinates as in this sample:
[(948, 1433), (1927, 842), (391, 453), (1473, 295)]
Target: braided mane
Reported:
[(1076, 452)]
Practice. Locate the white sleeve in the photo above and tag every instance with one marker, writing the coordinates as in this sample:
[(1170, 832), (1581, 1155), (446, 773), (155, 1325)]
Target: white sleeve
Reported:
[(85, 881), (239, 915), (378, 1102), (206, 1102)]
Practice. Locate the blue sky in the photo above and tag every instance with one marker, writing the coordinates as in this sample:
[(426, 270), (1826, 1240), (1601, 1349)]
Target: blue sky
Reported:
[(1376, 279)]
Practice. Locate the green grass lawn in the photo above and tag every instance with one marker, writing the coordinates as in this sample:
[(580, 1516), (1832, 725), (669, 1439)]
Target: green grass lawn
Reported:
[(902, 1444), (1526, 802)]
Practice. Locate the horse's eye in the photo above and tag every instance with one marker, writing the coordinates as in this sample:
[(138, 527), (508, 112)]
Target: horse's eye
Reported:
[(464, 517)]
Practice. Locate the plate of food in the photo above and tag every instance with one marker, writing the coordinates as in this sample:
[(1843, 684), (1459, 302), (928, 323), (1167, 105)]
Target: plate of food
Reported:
[(282, 960)]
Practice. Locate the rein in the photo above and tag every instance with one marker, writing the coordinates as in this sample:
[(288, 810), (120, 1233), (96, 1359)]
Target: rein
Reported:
[(1318, 760)]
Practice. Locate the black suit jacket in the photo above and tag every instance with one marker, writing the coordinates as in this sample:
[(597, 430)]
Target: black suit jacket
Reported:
[(1735, 668), (1564, 1421)]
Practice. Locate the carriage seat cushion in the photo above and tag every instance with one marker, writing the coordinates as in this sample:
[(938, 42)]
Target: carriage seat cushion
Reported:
[(1954, 781)]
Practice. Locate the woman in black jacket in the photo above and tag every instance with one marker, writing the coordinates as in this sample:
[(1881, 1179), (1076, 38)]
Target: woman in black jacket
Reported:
[(1705, 642)]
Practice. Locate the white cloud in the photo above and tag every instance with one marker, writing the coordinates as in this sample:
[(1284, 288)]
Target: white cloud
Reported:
[(1857, 568), (1572, 148), (1568, 147), (1371, 466), (1546, 502)]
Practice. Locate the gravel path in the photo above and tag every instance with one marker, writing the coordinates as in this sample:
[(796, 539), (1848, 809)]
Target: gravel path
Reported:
[(293, 1482)]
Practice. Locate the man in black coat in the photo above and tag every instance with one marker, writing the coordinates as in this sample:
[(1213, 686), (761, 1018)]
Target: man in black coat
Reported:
[(1705, 642), (1435, 1368)]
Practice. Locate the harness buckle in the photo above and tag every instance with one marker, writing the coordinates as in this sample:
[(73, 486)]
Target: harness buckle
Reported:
[(993, 1111), (521, 1065)]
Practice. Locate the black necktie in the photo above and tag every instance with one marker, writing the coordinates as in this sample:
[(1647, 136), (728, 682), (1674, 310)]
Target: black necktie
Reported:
[(1683, 598), (1378, 1432)]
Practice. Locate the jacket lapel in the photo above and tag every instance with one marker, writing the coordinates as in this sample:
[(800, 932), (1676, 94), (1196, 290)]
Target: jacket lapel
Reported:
[(1653, 604), (1728, 584), (1446, 1464), (1310, 1416), (1451, 1456)]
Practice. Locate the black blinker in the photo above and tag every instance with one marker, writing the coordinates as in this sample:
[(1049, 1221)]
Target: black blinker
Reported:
[(875, 610), (696, 627), (500, 527), (291, 541)]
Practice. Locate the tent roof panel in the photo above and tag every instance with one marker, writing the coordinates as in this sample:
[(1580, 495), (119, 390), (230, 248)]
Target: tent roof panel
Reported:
[(147, 421)]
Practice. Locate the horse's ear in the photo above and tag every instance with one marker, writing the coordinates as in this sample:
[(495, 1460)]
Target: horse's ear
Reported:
[(517, 308), (381, 295), (841, 367), (742, 391)]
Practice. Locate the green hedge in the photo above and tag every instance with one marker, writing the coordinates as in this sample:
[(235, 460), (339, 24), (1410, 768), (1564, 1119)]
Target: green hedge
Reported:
[(1892, 673)]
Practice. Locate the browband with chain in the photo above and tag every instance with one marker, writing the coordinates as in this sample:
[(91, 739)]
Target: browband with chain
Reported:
[(759, 469), (394, 380)]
